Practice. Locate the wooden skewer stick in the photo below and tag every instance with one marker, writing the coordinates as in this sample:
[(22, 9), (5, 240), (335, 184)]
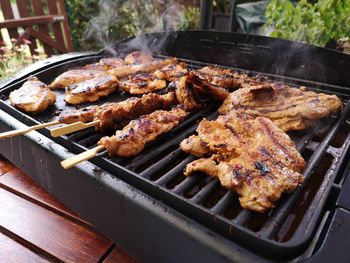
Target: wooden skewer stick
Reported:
[(77, 126), (70, 162), (26, 130)]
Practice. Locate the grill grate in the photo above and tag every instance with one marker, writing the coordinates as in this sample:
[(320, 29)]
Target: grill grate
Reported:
[(158, 171)]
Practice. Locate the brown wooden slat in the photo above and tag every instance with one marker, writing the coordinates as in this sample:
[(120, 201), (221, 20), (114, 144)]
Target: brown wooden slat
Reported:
[(23, 6), (18, 182), (29, 21), (64, 239), (5, 166), (52, 5), (11, 251), (46, 39), (7, 12), (38, 10), (66, 26), (119, 255)]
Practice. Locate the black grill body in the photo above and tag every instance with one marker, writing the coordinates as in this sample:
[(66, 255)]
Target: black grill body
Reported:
[(148, 206)]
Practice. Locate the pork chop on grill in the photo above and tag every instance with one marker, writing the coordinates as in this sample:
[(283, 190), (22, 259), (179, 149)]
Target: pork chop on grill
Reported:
[(33, 97), (74, 76), (171, 72), (132, 139), (289, 108), (91, 90), (105, 64), (250, 156)]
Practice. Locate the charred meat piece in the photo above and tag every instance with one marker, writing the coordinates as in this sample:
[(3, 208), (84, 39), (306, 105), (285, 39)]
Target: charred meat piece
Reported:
[(105, 64), (171, 72), (74, 76), (132, 139), (147, 67), (91, 90), (223, 78), (115, 114), (185, 94), (289, 108), (204, 87), (142, 83), (250, 156), (138, 57), (33, 97)]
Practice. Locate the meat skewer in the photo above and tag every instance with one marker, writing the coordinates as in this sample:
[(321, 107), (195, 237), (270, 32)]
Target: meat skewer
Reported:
[(113, 115), (132, 139)]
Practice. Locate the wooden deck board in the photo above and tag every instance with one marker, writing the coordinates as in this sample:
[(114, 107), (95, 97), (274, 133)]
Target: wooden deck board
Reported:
[(36, 227)]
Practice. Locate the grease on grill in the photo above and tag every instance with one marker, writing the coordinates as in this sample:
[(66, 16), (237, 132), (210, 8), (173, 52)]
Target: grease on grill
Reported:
[(341, 136), (215, 197), (197, 187)]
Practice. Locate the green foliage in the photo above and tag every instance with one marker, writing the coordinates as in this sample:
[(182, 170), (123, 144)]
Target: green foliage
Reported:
[(15, 58), (317, 23), (98, 23)]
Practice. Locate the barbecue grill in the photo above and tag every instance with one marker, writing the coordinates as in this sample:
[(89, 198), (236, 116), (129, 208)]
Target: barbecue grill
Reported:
[(150, 208)]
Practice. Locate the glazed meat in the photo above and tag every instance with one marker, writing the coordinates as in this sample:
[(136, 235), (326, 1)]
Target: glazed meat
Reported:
[(289, 108), (138, 57), (132, 139), (147, 67), (74, 76), (105, 64), (250, 156), (33, 97), (142, 83), (115, 114), (185, 94), (171, 72), (91, 90), (220, 77)]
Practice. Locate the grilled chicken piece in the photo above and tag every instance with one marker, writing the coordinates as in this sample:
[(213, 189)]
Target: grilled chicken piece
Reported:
[(220, 77), (250, 156), (105, 64), (142, 83), (115, 114), (74, 76), (204, 87), (138, 57), (171, 72), (141, 68), (185, 95), (91, 90), (33, 97), (132, 139), (289, 108)]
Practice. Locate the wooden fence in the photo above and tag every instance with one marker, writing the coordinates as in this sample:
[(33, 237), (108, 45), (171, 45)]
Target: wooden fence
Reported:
[(42, 20)]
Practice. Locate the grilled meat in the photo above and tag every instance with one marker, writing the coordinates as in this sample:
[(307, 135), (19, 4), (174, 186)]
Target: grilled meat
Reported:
[(115, 114), (138, 57), (289, 108), (171, 72), (185, 94), (132, 139), (105, 64), (142, 83), (122, 112), (250, 156), (91, 90), (220, 77), (33, 97), (141, 68), (74, 76)]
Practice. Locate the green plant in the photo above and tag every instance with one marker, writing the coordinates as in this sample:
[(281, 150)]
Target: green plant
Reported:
[(315, 23), (97, 23), (14, 58)]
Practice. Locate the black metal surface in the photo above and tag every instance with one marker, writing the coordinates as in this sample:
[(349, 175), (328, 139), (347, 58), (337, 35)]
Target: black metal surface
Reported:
[(288, 229)]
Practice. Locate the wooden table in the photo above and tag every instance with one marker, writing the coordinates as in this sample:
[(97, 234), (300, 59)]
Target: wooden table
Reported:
[(36, 227)]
